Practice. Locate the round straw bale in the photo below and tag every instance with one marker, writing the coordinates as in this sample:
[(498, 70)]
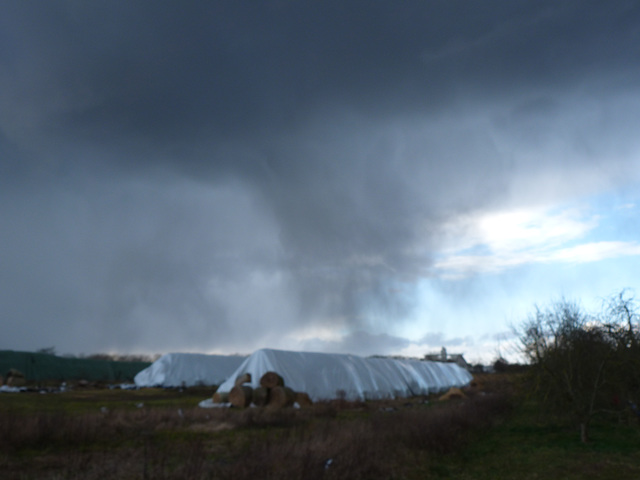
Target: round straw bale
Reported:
[(15, 378), (271, 379), (261, 396), (240, 396), (280, 397), (303, 399), (221, 397), (242, 379)]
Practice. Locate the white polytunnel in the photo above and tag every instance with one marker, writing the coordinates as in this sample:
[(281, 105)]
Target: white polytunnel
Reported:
[(188, 370), (325, 376)]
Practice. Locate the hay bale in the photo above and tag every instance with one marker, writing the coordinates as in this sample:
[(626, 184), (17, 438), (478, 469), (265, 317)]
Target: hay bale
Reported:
[(261, 396), (271, 380), (14, 372), (280, 397), (244, 378), (452, 393), (303, 399), (220, 397), (241, 396), (15, 378)]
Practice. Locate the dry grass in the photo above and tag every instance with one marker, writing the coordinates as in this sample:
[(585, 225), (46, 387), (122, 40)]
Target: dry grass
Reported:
[(329, 440), (66, 436)]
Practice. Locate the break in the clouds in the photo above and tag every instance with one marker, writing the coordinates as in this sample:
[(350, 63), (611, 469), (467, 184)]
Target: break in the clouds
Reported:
[(499, 241), (224, 176)]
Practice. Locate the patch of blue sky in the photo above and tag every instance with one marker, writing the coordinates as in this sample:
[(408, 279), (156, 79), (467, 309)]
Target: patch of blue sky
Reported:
[(591, 229), (616, 220), (479, 249), (488, 304), (498, 266)]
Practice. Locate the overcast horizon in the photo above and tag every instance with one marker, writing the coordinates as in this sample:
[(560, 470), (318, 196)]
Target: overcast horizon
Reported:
[(361, 177)]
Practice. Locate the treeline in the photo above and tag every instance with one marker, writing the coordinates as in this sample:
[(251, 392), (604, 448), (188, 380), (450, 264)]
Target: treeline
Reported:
[(110, 357), (585, 365), (116, 357)]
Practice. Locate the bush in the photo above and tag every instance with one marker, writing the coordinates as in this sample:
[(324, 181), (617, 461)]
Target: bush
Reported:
[(583, 365)]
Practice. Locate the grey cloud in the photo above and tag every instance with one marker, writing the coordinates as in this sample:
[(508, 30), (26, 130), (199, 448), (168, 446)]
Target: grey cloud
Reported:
[(169, 166), (112, 71), (135, 259), (434, 341), (506, 335), (364, 343), (360, 343)]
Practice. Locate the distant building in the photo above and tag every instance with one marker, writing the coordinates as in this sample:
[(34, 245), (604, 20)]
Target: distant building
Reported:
[(443, 356)]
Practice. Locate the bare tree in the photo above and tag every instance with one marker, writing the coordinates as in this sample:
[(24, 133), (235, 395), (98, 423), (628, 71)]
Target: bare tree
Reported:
[(580, 361)]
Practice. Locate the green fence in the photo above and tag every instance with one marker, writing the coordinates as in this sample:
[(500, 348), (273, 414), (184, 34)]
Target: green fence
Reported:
[(38, 367)]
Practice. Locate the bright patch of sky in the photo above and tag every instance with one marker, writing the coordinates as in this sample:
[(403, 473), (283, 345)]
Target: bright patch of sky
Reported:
[(497, 241), (499, 265)]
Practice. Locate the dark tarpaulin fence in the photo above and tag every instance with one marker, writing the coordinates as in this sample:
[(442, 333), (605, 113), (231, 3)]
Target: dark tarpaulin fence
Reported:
[(38, 367)]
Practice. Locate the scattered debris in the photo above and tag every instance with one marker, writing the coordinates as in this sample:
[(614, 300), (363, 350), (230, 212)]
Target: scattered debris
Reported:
[(210, 403), (10, 389)]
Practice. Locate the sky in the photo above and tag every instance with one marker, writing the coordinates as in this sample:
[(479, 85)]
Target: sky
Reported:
[(360, 176)]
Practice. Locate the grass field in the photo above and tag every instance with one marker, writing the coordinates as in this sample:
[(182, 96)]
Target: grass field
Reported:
[(162, 434), (525, 446)]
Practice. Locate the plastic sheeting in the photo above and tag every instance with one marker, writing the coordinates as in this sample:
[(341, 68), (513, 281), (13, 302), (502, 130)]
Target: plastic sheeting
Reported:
[(188, 370), (327, 376)]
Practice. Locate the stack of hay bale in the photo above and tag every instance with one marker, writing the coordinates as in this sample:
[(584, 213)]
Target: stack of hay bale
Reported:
[(15, 378), (272, 393)]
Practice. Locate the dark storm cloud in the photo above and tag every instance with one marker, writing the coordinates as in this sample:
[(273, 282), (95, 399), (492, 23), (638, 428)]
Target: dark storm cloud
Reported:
[(168, 165), (166, 73)]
